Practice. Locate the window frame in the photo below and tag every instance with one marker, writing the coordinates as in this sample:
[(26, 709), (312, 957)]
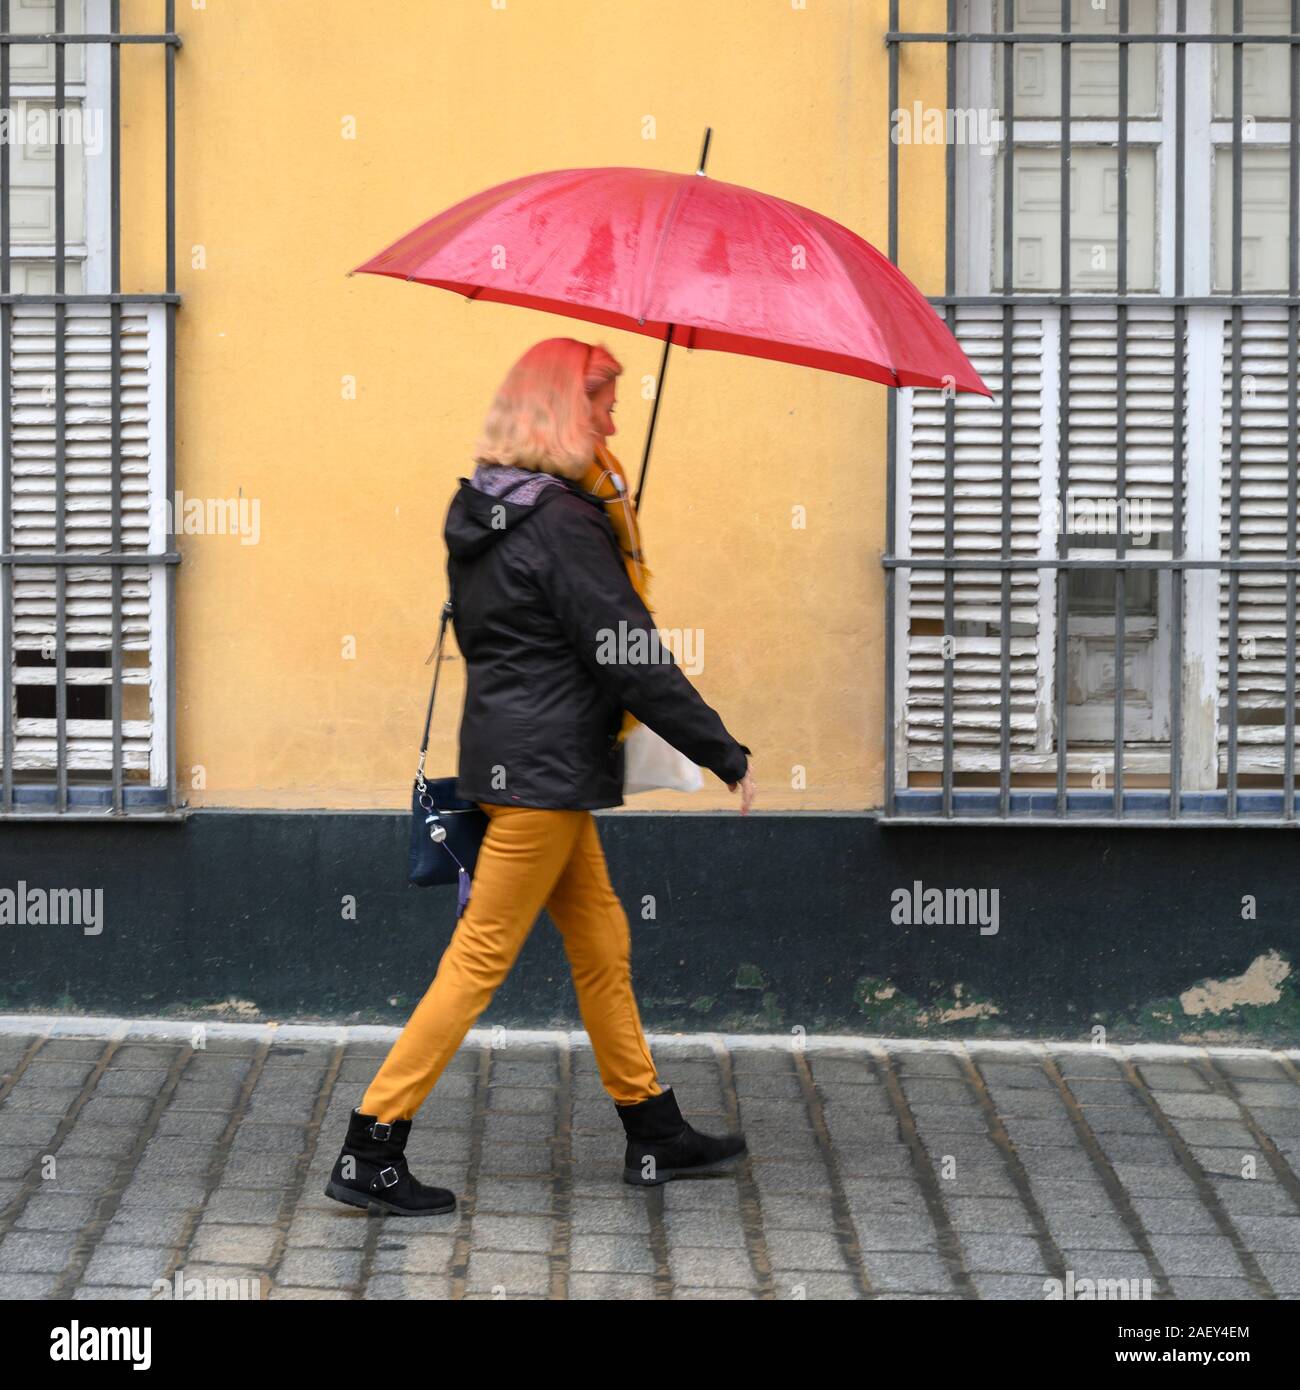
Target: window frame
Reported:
[(1193, 572)]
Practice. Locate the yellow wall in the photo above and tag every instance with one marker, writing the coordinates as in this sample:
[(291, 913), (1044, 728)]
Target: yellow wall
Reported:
[(451, 96)]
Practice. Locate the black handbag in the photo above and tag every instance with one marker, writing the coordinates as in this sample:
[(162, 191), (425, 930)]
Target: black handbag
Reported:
[(446, 830)]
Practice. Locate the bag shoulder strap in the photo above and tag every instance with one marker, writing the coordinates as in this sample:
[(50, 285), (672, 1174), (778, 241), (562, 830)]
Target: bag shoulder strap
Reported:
[(436, 658)]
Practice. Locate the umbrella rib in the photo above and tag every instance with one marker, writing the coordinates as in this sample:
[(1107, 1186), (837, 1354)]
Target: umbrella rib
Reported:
[(659, 250)]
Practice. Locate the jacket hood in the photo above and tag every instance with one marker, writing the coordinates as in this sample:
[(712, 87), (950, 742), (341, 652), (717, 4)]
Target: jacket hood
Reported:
[(476, 520)]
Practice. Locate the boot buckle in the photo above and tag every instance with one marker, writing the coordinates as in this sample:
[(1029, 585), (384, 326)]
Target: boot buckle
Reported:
[(389, 1181), (386, 1126)]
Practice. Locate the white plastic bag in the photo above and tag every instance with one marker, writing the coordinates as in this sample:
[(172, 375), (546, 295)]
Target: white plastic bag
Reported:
[(653, 764)]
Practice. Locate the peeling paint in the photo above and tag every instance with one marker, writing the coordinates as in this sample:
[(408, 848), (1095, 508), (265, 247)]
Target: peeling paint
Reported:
[(1259, 985), (241, 1008)]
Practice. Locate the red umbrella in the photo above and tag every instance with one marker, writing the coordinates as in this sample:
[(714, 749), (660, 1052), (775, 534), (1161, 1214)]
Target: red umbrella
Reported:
[(690, 260)]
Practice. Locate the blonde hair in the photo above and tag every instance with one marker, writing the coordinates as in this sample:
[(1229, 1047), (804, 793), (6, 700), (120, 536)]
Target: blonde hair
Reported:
[(541, 416)]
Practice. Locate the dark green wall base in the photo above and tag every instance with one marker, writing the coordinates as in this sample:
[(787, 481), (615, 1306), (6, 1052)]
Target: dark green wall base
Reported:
[(771, 923)]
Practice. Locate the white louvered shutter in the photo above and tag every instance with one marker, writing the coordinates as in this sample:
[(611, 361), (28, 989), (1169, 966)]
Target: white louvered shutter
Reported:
[(978, 533), (1261, 621), (1094, 512), (88, 528)]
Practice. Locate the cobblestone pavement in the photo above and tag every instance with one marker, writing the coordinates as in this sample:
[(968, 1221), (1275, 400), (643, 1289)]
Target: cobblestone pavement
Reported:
[(877, 1170)]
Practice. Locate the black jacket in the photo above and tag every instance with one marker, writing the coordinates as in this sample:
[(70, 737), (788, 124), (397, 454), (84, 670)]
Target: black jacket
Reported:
[(531, 597)]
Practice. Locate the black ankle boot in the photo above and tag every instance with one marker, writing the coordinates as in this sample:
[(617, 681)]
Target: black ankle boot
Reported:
[(661, 1145), (380, 1179)]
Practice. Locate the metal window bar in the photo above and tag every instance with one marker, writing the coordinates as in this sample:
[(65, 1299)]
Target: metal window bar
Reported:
[(1181, 807), (20, 799)]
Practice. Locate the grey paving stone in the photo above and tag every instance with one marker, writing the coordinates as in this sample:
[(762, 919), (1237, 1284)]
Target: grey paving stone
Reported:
[(52, 1212), (1054, 1161), (1120, 1119), (1153, 1180), (243, 1204), (505, 1195), (1272, 1233), (715, 1295), (38, 1100), (1265, 1094), (421, 1254), (320, 1268), (816, 1284), (111, 1293), (1137, 1148), (910, 1064), (707, 1268), (63, 1075), (36, 1252), (596, 1217), (611, 1286), (1198, 1105), (126, 1082), (721, 1229), (524, 1128), (940, 1090), (1004, 1254), (909, 1232), (797, 1214), (28, 1131), (1174, 1217), (1216, 1134), (990, 1214), (116, 1110), (1080, 1065), (204, 1125), (27, 1287), (1010, 1286), (1188, 1288), (949, 1119), (769, 1087), (98, 1140), (1027, 1104), (137, 1266), (135, 1226), (1041, 1132), (708, 1195), (1127, 1263), (517, 1160), (321, 1295), (396, 1286), (804, 1250), (242, 1245), (611, 1254), (852, 1070), (1281, 1270), (906, 1271), (1164, 1076), (786, 1178), (1206, 1256), (1016, 1076), (512, 1273), (164, 1192), (1098, 1230), (536, 1233)]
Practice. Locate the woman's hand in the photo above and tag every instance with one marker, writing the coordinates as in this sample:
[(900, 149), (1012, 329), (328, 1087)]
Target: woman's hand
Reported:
[(746, 787)]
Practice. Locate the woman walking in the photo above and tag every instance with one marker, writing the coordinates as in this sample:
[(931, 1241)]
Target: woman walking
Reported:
[(547, 585)]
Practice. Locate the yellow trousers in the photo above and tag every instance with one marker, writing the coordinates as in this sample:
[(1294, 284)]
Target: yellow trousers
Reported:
[(529, 859)]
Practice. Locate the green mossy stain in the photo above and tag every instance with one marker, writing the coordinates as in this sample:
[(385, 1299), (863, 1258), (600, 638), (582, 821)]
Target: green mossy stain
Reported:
[(749, 977)]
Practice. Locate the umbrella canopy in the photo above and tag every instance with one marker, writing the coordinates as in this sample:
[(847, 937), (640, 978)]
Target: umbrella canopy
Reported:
[(689, 260)]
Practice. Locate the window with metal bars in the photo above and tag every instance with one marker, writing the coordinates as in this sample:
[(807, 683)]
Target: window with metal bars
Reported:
[(1092, 577), (87, 433)]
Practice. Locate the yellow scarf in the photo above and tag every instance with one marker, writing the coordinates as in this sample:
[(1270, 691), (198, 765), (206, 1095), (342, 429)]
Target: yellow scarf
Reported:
[(599, 481)]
